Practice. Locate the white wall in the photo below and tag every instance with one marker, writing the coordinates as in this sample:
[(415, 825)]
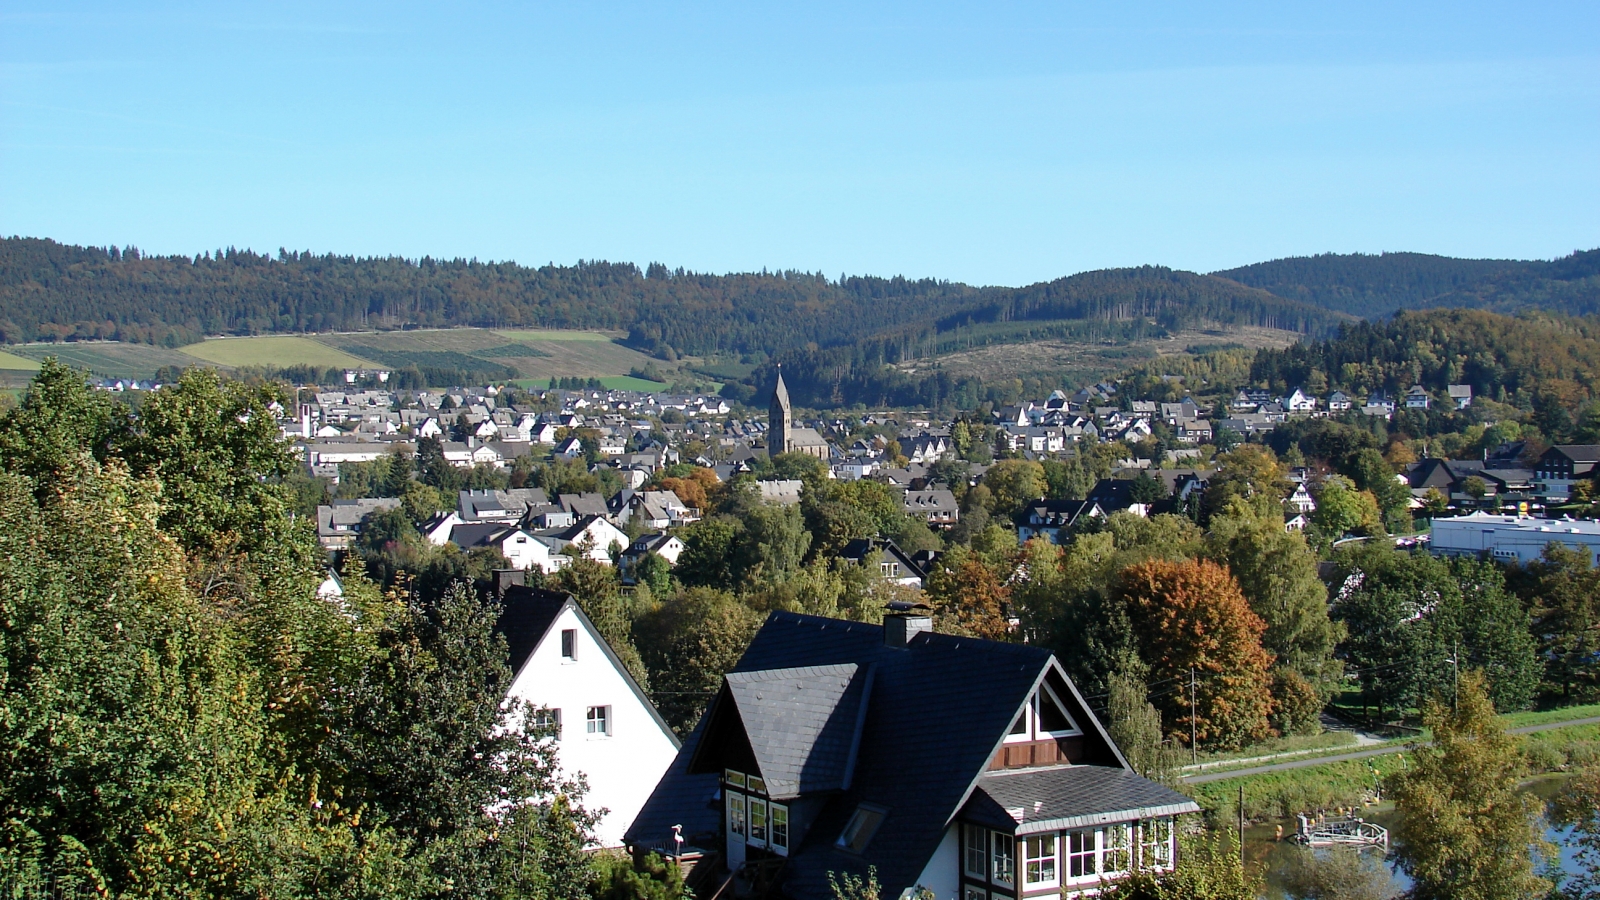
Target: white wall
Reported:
[(941, 874), (623, 768)]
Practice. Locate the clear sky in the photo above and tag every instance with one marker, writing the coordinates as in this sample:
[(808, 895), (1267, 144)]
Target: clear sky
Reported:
[(995, 143)]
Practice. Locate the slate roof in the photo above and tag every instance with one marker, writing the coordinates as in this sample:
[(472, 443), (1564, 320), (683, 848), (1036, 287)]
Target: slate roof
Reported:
[(526, 614), (936, 713), (1065, 797), (803, 724)]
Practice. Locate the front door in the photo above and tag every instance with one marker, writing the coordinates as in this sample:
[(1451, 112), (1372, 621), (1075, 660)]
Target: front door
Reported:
[(736, 828)]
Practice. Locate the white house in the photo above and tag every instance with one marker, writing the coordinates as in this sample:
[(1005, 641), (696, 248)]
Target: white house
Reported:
[(1300, 402), (523, 550), (605, 726)]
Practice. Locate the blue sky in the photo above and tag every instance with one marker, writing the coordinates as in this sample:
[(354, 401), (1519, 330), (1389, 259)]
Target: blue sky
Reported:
[(996, 143)]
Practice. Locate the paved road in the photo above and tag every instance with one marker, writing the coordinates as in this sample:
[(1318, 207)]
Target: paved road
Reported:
[(1361, 754)]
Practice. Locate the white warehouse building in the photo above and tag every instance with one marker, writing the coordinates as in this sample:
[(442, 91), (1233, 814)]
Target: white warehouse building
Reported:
[(1519, 539)]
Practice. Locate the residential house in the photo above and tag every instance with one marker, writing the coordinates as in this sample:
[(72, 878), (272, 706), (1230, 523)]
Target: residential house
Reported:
[(937, 507), (339, 523), (1460, 395), (1047, 518), (1378, 404), (591, 532), (1339, 401), (1300, 402), (507, 506), (1300, 500), (1418, 398), (886, 558), (604, 725), (965, 767), (522, 550), (666, 546), (588, 503), (786, 492), (1564, 465)]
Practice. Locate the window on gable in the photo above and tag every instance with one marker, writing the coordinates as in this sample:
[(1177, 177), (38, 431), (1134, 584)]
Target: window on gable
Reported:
[(976, 857), (598, 721), (1003, 858), (778, 839), (550, 720), (859, 830), (569, 644), (1052, 714)]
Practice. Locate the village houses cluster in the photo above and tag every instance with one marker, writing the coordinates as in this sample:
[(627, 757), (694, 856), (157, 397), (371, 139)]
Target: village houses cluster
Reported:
[(817, 754)]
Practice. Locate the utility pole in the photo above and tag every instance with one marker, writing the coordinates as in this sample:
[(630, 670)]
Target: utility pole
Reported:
[(1194, 748), (1241, 824)]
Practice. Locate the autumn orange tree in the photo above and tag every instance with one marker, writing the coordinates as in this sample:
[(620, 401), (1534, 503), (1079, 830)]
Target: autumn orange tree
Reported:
[(1191, 613), (970, 596), (695, 489)]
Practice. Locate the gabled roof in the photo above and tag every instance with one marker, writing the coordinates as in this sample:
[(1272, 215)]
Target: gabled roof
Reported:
[(937, 712), (803, 724), (526, 615)]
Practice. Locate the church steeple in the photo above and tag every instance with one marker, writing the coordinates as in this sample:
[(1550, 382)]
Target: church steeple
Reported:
[(780, 420)]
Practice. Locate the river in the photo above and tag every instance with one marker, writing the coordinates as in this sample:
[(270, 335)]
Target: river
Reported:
[(1261, 845)]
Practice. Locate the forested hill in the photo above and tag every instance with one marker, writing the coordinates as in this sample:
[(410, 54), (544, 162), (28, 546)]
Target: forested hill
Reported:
[(1526, 357), (52, 291), (1377, 285)]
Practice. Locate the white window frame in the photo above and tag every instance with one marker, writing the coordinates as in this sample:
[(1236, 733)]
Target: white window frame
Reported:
[(865, 820), (1115, 839), (1072, 731), (1156, 853), (1087, 855), (976, 840), (734, 778), (601, 716), (1003, 858), (1035, 853), (778, 826), (549, 718), (758, 822), (736, 817), (755, 784), (569, 645)]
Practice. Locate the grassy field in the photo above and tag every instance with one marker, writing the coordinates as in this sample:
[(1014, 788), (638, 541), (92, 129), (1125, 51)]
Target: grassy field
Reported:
[(535, 355), (15, 362), (629, 383), (111, 359), (274, 351), (524, 334)]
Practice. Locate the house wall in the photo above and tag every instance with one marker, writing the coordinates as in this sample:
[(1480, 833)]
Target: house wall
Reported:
[(622, 768), (942, 874)]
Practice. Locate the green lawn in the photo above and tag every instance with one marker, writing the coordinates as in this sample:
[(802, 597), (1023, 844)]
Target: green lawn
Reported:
[(274, 351), (13, 361), (1519, 719)]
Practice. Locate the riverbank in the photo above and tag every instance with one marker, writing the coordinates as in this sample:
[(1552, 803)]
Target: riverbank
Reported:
[(1309, 785)]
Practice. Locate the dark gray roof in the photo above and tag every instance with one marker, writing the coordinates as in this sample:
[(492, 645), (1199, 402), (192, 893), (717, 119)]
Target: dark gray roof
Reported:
[(478, 534), (935, 715), (1065, 797), (526, 614), (802, 724)]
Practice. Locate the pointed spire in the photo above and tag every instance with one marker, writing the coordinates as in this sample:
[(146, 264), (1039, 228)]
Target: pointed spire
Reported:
[(780, 393)]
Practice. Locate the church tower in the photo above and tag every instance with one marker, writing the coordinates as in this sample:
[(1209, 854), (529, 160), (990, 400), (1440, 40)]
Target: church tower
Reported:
[(780, 421)]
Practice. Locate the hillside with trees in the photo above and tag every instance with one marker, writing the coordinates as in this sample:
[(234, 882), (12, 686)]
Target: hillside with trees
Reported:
[(1368, 285), (52, 291)]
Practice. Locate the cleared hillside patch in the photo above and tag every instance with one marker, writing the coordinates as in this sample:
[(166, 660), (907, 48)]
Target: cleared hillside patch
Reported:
[(15, 362), (111, 359), (274, 351)]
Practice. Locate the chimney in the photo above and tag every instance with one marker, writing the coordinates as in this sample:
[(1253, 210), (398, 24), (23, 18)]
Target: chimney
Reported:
[(504, 579), (900, 628)]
